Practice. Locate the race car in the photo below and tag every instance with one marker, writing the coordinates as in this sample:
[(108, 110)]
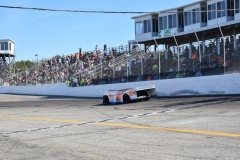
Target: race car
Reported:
[(127, 95)]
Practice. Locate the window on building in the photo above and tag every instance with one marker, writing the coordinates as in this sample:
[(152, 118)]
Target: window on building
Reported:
[(185, 19), (170, 20), (223, 5), (174, 20), (230, 7), (198, 17), (165, 22), (213, 10), (147, 26), (216, 10), (160, 23), (219, 13), (180, 20), (155, 25), (203, 14), (194, 16), (221, 9), (237, 6), (188, 18), (139, 27), (10, 46), (209, 12), (4, 46)]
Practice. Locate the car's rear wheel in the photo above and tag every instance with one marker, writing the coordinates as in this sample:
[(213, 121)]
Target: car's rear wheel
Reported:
[(146, 99), (126, 98), (144, 94), (105, 100)]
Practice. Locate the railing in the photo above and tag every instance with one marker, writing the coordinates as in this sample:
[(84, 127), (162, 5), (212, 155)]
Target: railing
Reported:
[(171, 75)]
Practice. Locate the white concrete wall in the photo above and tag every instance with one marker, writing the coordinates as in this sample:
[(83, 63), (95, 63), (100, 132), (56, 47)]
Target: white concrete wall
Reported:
[(190, 27), (143, 36), (237, 16), (219, 20), (222, 84)]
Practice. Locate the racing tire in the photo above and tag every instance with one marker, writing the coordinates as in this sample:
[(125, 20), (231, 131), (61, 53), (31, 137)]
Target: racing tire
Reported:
[(145, 94), (126, 99), (146, 99), (105, 100)]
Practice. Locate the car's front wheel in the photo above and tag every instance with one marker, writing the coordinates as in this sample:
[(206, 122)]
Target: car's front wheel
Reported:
[(126, 98)]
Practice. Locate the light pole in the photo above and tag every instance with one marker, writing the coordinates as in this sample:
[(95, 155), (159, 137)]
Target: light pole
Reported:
[(37, 69), (17, 75)]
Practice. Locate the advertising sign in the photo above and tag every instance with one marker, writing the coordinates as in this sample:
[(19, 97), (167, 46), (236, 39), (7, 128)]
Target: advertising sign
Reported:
[(167, 32)]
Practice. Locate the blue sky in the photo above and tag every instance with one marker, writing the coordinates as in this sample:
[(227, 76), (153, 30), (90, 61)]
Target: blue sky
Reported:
[(50, 33)]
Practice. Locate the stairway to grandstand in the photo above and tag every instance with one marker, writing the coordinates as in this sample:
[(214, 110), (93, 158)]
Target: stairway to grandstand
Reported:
[(233, 68), (116, 62), (213, 71)]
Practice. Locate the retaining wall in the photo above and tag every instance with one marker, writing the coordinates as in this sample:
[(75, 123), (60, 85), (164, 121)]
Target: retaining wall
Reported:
[(222, 84)]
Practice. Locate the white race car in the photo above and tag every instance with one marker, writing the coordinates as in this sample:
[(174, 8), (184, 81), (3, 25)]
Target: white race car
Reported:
[(129, 94)]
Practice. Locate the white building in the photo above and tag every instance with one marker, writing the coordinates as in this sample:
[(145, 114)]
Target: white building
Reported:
[(199, 16), (7, 48)]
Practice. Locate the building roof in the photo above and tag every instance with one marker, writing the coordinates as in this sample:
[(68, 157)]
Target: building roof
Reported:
[(164, 11), (6, 39)]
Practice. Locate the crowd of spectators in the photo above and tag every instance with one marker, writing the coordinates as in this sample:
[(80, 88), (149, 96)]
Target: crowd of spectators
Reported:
[(75, 69), (117, 65)]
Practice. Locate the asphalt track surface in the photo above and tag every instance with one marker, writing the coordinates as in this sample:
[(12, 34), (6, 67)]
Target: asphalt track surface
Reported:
[(38, 127)]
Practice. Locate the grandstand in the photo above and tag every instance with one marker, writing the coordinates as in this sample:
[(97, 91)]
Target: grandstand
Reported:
[(198, 39)]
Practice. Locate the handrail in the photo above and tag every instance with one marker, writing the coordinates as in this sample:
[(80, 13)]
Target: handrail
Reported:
[(171, 74), (194, 65)]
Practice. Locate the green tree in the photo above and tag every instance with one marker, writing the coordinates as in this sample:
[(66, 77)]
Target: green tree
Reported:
[(23, 65)]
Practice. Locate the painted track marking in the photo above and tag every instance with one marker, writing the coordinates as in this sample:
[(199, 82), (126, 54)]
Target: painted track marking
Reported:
[(105, 123)]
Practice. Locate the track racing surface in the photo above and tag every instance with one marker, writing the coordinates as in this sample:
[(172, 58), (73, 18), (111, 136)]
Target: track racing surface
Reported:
[(38, 127)]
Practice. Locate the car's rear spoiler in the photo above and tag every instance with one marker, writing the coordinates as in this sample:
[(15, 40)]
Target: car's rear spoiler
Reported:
[(151, 89)]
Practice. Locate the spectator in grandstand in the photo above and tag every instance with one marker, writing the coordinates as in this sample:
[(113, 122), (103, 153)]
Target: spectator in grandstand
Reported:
[(198, 72), (105, 48), (238, 43), (220, 61), (123, 79), (194, 56), (154, 67), (149, 77), (181, 59), (134, 47), (214, 49), (97, 49), (235, 53), (215, 61), (139, 78), (178, 75), (156, 76), (227, 43), (174, 63), (185, 53)]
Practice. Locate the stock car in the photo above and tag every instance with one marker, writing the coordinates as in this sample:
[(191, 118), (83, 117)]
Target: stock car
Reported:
[(129, 94)]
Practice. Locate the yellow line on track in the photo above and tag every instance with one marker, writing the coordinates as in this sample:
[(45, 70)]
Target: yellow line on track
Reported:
[(200, 132), (170, 129), (10, 100), (42, 119)]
